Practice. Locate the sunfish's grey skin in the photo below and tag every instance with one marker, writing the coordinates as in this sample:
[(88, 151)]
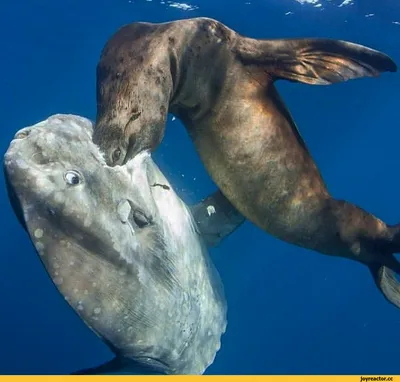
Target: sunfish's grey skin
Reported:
[(221, 86), (121, 247)]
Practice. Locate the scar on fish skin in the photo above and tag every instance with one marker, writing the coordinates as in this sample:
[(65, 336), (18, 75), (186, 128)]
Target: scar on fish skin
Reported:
[(164, 186)]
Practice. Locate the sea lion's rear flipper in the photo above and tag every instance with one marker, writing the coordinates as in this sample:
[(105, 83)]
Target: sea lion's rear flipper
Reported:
[(387, 283), (312, 61), (216, 218)]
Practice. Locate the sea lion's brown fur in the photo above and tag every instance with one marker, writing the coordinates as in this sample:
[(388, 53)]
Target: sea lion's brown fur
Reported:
[(221, 86)]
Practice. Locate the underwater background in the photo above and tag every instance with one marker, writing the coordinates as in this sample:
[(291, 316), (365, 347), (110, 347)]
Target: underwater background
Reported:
[(290, 310)]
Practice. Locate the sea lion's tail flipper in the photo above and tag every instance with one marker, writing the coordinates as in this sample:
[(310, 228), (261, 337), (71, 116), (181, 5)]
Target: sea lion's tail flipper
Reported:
[(311, 61), (387, 283)]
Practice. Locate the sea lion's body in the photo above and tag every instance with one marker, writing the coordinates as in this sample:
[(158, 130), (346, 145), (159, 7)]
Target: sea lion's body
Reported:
[(221, 86)]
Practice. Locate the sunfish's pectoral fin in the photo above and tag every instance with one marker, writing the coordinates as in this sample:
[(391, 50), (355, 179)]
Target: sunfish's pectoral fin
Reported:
[(312, 61), (385, 280), (216, 218), (117, 364)]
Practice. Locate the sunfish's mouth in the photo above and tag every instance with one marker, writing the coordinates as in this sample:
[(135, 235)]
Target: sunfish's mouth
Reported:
[(129, 212)]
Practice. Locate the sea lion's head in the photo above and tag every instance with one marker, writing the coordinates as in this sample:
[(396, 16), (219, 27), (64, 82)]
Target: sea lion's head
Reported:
[(119, 143), (134, 84)]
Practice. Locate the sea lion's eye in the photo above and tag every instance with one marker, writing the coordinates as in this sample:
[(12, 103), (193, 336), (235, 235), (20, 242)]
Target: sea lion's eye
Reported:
[(116, 155), (134, 116), (72, 178)]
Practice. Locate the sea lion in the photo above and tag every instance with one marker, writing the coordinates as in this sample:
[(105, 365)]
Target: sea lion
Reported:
[(125, 253), (221, 86)]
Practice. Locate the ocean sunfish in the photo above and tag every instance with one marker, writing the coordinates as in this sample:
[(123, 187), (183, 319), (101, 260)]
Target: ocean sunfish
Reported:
[(121, 247)]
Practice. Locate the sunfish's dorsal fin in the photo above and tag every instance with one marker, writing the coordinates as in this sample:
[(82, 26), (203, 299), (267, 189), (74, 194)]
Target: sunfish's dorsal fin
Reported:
[(311, 61), (216, 218)]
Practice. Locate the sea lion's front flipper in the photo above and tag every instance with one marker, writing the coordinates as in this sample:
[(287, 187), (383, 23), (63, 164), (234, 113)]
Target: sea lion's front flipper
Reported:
[(216, 218), (387, 283), (312, 61)]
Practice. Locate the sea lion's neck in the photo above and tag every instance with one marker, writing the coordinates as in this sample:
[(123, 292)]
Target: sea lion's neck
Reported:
[(185, 98), (201, 69)]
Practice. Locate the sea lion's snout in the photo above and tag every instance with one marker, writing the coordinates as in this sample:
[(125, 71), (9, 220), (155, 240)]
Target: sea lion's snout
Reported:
[(111, 142), (114, 156), (121, 154), (114, 153), (121, 139)]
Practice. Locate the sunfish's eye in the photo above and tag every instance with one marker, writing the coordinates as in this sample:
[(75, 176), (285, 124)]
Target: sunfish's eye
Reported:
[(72, 177), (116, 155)]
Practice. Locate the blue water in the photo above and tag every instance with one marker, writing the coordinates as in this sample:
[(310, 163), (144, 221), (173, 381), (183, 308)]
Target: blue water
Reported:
[(290, 310)]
